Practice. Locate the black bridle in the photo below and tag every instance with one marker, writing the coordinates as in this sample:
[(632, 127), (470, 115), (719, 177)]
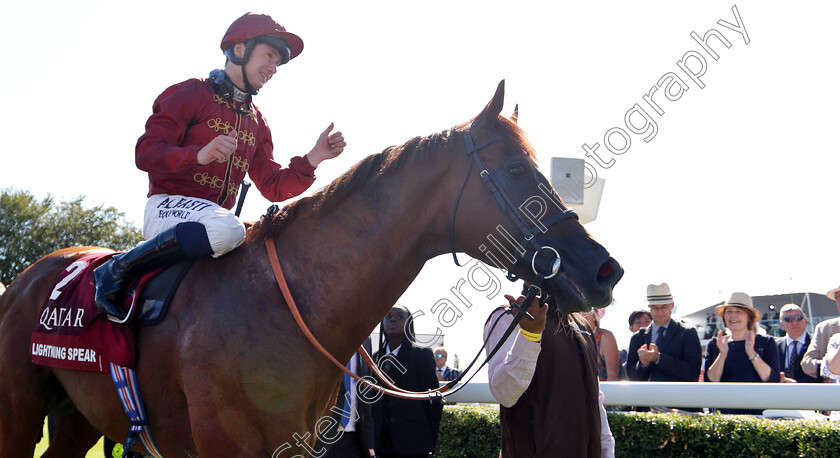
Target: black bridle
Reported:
[(529, 234)]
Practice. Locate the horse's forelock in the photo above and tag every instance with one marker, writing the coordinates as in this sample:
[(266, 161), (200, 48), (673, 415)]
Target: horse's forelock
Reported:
[(516, 136), (512, 132)]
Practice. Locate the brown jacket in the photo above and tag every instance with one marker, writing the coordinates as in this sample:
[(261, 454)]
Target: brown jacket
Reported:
[(558, 415)]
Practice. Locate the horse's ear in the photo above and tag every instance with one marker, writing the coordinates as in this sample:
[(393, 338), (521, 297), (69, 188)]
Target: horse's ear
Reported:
[(515, 116), (490, 113)]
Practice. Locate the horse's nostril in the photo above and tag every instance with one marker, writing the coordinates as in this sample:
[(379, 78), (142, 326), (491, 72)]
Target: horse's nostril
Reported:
[(606, 269), (610, 272)]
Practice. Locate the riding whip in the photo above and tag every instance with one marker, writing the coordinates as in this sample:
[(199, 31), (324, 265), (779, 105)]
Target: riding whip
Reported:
[(245, 186)]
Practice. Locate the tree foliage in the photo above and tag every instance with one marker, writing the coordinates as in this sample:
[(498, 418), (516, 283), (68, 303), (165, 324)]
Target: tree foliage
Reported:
[(31, 229)]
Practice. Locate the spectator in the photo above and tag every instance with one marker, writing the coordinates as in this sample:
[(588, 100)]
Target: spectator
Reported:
[(793, 345), (549, 396), (606, 346), (444, 372), (831, 368), (813, 358), (638, 319), (665, 351), (405, 427), (742, 355), (354, 416)]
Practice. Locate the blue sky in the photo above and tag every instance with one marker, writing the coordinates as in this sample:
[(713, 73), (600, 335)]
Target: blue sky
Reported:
[(732, 193)]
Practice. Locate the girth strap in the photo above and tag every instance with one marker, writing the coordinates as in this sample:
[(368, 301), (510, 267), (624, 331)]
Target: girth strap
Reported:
[(125, 380)]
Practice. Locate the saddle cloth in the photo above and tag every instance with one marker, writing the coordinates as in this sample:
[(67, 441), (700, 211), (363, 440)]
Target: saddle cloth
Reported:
[(72, 333)]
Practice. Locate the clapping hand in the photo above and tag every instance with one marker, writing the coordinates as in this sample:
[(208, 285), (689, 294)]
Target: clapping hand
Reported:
[(749, 345), (722, 342), (648, 353)]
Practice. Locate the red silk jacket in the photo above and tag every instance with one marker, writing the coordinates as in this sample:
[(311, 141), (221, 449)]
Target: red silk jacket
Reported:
[(185, 118)]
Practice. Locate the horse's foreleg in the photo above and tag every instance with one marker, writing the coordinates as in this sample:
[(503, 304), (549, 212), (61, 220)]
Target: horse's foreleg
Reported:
[(72, 435), (23, 406), (19, 435), (25, 390)]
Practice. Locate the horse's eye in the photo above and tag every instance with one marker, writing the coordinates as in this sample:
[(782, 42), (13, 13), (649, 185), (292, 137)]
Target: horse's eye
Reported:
[(516, 171)]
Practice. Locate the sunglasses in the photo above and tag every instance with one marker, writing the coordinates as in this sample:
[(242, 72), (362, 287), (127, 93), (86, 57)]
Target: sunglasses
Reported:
[(789, 319), (440, 356)]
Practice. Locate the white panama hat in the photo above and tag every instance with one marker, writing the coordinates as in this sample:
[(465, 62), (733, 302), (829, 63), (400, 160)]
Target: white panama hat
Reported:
[(659, 294)]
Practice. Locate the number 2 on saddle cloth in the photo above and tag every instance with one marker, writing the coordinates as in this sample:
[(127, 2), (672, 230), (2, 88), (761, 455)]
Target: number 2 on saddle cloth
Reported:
[(71, 333)]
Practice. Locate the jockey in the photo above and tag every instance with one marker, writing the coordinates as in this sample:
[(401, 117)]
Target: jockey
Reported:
[(201, 139)]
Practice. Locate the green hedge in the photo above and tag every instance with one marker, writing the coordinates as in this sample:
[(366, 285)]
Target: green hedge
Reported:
[(469, 430), (652, 434)]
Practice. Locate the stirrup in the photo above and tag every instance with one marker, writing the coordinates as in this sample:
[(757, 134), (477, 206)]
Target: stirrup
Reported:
[(118, 318)]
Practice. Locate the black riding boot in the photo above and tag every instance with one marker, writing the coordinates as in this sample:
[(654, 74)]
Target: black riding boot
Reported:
[(114, 276)]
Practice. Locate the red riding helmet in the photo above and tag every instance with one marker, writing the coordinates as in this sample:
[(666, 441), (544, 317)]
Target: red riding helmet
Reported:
[(254, 28)]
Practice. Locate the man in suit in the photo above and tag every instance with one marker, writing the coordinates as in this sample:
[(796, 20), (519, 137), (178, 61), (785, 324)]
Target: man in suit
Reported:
[(813, 358), (665, 351), (793, 345), (405, 427), (353, 414), (444, 372)]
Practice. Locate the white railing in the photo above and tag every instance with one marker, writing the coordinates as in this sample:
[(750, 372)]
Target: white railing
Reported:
[(792, 396)]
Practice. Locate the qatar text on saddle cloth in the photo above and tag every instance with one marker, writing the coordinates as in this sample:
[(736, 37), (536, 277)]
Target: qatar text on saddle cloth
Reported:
[(71, 332)]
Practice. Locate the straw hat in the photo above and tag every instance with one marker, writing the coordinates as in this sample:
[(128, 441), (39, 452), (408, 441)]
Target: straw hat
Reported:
[(742, 300), (833, 293), (659, 294)]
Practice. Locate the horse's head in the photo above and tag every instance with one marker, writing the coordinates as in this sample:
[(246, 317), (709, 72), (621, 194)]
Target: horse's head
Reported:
[(515, 220)]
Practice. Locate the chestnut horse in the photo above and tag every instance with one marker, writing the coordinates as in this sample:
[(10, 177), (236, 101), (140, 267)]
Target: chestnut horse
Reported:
[(228, 373)]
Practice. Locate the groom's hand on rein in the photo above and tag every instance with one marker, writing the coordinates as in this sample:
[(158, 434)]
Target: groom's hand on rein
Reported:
[(537, 325)]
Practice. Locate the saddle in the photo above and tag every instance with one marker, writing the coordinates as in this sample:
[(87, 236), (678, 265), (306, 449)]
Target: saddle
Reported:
[(157, 294)]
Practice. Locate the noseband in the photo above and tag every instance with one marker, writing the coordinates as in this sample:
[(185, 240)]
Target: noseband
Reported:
[(528, 232)]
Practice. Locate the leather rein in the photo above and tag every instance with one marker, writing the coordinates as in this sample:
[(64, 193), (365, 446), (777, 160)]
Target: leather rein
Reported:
[(529, 234), (391, 389)]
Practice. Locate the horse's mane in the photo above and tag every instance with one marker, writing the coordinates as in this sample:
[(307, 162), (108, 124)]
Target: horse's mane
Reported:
[(391, 160)]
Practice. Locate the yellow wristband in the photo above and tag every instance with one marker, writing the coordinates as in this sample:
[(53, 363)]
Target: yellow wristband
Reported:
[(532, 336)]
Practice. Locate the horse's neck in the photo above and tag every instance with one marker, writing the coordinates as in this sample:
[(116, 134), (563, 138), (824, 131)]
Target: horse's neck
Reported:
[(351, 265)]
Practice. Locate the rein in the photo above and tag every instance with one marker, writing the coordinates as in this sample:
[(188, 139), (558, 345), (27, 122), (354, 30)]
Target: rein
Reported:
[(392, 389)]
